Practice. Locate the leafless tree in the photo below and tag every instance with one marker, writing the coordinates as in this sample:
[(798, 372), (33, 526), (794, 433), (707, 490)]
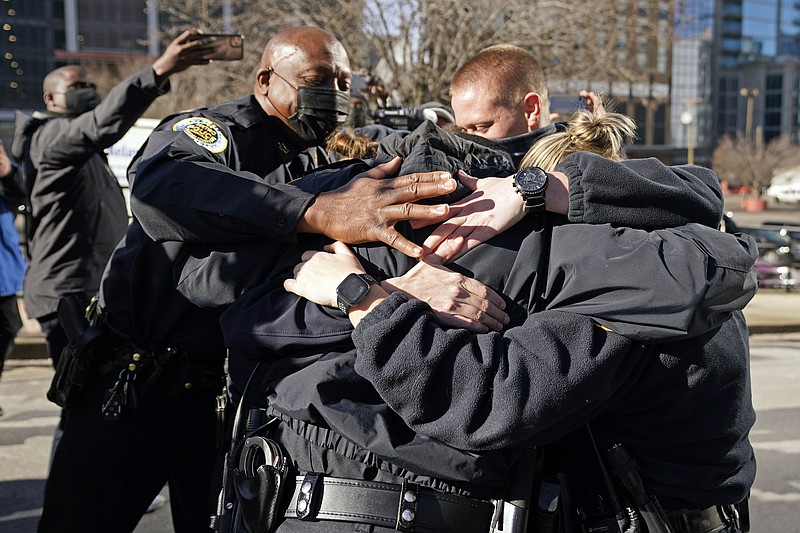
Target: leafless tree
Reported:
[(415, 46), (196, 87), (751, 164)]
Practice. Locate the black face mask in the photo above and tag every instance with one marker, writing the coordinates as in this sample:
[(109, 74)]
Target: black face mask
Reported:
[(80, 101), (319, 112)]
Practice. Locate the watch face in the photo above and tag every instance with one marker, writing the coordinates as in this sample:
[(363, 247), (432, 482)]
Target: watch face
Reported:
[(531, 179), (352, 289)]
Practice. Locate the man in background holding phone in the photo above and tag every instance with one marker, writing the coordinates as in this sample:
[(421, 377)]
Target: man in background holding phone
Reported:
[(77, 212), (76, 209)]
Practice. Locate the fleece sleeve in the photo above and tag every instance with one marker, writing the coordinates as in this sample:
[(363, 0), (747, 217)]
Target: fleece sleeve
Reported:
[(640, 193), (533, 383)]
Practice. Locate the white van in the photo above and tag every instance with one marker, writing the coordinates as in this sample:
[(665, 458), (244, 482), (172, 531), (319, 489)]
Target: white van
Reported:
[(785, 186), (121, 153)]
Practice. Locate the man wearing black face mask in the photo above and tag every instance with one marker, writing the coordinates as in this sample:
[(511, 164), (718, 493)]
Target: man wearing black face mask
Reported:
[(77, 212), (211, 176), (319, 111)]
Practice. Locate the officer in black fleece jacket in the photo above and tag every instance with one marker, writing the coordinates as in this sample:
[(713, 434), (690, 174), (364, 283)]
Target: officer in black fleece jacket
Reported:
[(680, 403), (267, 324)]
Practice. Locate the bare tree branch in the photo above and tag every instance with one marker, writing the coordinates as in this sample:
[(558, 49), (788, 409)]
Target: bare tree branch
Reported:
[(419, 44), (750, 164)]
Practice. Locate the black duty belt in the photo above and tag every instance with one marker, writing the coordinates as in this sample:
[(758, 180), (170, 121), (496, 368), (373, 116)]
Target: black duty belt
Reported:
[(708, 520), (404, 507)]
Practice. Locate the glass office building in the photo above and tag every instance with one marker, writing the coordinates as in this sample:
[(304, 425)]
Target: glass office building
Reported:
[(692, 75), (27, 45), (735, 71), (759, 55), (40, 35)]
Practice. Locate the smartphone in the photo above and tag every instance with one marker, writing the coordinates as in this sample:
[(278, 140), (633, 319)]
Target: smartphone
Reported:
[(222, 46)]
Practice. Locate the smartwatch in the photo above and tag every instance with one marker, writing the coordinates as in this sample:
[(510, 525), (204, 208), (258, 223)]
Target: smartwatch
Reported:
[(352, 290), (531, 184)]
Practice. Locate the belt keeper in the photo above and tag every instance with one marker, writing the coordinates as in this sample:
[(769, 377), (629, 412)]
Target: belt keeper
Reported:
[(407, 506), (307, 499), (729, 514)]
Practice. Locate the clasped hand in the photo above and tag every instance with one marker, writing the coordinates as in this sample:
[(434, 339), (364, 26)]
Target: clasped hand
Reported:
[(457, 300)]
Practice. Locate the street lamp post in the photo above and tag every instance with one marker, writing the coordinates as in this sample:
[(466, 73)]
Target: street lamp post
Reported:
[(688, 119), (757, 203), (750, 94)]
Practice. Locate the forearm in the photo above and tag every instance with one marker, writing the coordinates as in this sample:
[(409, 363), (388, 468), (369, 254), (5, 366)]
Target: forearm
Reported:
[(202, 201), (640, 193), (266, 322), (488, 391), (214, 275), (107, 123), (650, 286), (557, 198)]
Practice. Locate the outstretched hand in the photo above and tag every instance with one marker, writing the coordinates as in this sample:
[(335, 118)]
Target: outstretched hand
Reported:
[(367, 208), (181, 54), (594, 102)]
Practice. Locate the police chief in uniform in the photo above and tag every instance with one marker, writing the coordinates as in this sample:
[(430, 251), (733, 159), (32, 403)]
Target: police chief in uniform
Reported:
[(215, 174)]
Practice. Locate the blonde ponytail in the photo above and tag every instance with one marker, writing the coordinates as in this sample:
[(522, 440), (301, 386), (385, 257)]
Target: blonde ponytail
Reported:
[(602, 133)]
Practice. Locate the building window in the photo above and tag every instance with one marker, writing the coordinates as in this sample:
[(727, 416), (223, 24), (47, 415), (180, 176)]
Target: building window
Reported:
[(659, 124), (772, 119), (773, 101), (774, 82)]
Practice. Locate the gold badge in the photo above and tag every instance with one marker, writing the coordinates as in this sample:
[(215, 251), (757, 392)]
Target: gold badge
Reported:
[(204, 132)]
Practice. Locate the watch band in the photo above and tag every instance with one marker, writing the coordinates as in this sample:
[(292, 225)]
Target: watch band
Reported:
[(534, 204)]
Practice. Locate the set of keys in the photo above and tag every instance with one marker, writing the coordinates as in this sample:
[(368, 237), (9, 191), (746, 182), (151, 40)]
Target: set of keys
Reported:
[(121, 394)]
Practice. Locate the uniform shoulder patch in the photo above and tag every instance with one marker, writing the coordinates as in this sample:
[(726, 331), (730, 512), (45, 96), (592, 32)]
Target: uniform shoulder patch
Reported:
[(203, 131)]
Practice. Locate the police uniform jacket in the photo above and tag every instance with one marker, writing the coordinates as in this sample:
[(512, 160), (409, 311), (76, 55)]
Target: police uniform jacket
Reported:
[(351, 429), (77, 210), (210, 173), (220, 175)]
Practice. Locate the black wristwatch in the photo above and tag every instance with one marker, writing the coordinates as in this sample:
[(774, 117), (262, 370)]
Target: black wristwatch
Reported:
[(352, 290), (531, 184)]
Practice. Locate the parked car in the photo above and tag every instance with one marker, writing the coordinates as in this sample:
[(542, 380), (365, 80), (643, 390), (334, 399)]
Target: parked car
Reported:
[(792, 232), (785, 187), (774, 265)]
